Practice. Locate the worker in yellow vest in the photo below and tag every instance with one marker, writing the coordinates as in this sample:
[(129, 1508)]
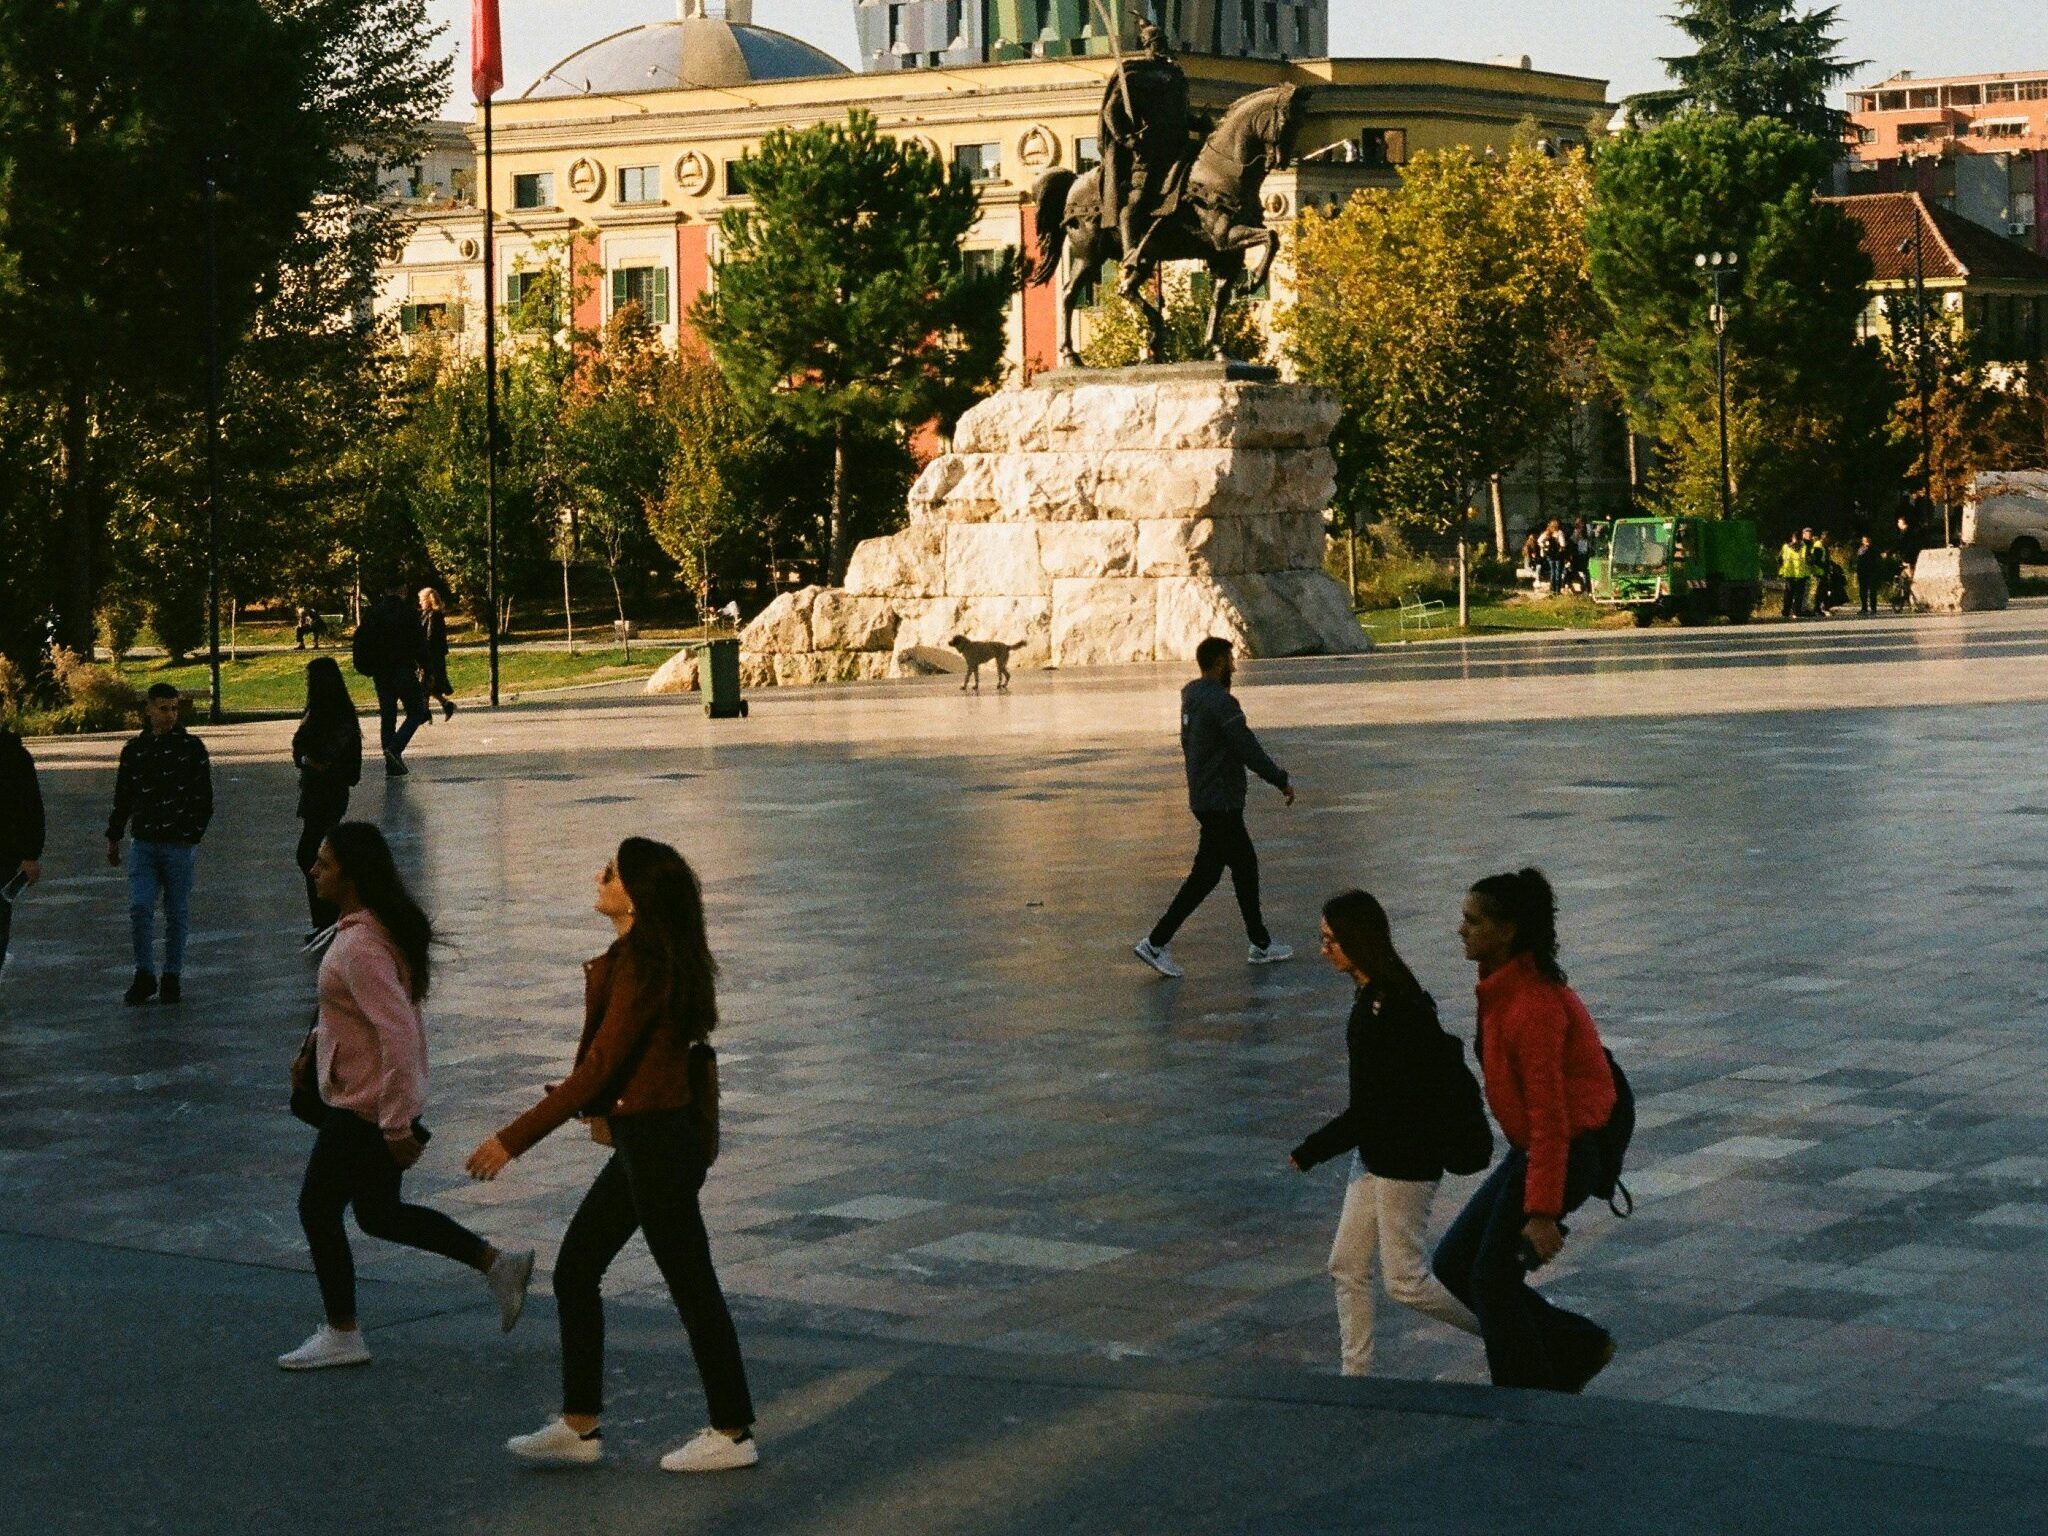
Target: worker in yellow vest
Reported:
[(1792, 567)]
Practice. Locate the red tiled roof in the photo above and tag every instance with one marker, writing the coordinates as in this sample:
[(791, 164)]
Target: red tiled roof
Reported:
[(1952, 248)]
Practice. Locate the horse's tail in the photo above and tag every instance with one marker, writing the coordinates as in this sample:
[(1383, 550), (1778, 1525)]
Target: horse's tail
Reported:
[(1050, 196)]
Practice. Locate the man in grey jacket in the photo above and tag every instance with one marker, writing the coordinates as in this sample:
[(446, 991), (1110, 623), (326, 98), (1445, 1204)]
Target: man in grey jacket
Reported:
[(1218, 746)]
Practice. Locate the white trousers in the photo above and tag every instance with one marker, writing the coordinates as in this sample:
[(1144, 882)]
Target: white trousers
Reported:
[(1388, 1216)]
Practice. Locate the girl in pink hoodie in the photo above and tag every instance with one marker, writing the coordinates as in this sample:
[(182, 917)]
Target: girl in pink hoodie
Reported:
[(371, 1061)]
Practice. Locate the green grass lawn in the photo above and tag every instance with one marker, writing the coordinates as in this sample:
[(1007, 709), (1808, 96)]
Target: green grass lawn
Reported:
[(1492, 616), (276, 684)]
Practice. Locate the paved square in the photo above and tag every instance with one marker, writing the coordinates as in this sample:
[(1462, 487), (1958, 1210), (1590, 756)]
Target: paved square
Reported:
[(959, 1112)]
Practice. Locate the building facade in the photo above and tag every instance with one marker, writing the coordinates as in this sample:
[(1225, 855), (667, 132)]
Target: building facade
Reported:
[(620, 158), (932, 34), (1974, 144), (1990, 292)]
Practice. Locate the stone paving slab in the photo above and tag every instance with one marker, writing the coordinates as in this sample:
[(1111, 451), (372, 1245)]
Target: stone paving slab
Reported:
[(1812, 934)]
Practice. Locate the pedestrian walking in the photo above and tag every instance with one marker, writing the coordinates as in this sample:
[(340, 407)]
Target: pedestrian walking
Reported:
[(21, 830), (1552, 1088), (646, 1078), (1217, 746), (327, 749), (164, 791), (1870, 574), (1396, 1052), (434, 652), (1792, 570), (370, 1065), (1555, 549), (387, 650)]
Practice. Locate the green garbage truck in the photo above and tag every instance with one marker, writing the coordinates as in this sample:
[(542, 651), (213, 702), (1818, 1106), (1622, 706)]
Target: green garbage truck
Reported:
[(1691, 569)]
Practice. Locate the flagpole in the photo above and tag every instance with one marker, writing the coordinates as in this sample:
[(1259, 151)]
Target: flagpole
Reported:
[(491, 400)]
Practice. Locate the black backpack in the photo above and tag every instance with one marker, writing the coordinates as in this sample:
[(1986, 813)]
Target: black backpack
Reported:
[(370, 649), (1613, 1139), (1464, 1138)]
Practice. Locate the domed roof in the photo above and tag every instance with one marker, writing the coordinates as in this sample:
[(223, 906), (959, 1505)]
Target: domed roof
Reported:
[(691, 52)]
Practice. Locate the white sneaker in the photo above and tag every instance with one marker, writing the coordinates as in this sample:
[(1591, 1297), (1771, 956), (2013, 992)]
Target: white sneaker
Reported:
[(555, 1444), (507, 1278), (1270, 954), (1158, 956), (712, 1451), (328, 1346)]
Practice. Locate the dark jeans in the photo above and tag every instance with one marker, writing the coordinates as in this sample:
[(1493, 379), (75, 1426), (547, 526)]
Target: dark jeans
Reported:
[(1795, 598), (6, 922), (319, 815), (351, 1165), (650, 1186), (394, 689), (1225, 844), (1866, 592), (1529, 1342)]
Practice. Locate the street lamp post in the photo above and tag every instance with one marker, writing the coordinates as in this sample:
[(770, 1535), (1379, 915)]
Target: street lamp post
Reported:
[(1720, 267), (1912, 243), (213, 445)]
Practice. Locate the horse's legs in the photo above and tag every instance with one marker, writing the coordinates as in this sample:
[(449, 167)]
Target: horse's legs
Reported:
[(1227, 270), (1070, 298)]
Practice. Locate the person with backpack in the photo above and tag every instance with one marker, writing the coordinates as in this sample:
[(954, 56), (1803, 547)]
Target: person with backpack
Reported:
[(646, 1079), (1559, 1099), (369, 1068), (386, 650), (1394, 1128), (327, 749)]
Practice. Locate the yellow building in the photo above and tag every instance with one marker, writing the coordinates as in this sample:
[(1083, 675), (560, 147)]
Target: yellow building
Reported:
[(627, 150)]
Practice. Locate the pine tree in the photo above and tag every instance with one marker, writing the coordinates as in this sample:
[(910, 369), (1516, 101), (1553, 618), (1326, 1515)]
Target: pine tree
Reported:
[(1756, 58)]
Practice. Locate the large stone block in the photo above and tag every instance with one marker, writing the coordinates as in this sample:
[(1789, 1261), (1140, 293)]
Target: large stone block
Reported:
[(1175, 546), (1091, 549), (783, 626), (1281, 613), (841, 621), (1084, 417), (1964, 579), (1024, 624), (1098, 622), (912, 561), (993, 559), (676, 675), (927, 621)]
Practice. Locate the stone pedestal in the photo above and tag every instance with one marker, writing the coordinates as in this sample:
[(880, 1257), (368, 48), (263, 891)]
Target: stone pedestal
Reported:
[(1964, 579), (1097, 517)]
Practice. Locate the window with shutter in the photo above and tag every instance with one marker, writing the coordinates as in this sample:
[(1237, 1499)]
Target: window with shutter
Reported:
[(622, 288), (657, 305)]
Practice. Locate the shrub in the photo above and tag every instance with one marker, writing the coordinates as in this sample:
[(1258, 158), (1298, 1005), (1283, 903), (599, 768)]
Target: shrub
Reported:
[(93, 697), (179, 619), (120, 622), (14, 692)]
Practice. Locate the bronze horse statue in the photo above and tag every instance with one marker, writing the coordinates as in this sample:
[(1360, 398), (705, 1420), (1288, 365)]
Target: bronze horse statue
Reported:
[(1214, 216)]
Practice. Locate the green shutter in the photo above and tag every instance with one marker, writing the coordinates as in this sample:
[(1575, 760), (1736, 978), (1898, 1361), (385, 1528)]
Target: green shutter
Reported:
[(658, 306), (622, 293)]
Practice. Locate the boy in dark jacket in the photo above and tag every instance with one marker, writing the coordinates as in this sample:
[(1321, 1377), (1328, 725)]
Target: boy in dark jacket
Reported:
[(21, 827), (388, 647), (165, 789), (1218, 746)]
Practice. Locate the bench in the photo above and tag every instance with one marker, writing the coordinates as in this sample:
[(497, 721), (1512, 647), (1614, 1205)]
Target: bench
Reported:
[(1417, 614)]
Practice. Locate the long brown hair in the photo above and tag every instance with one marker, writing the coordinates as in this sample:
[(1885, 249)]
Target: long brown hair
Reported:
[(365, 858), (667, 938), (1359, 925)]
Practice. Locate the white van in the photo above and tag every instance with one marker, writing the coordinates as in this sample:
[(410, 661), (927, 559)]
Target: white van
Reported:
[(2007, 514)]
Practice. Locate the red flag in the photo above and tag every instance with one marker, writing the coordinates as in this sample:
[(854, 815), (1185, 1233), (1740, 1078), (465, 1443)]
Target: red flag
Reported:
[(486, 53)]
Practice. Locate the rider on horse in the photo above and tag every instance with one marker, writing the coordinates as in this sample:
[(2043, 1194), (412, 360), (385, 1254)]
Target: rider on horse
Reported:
[(1145, 145)]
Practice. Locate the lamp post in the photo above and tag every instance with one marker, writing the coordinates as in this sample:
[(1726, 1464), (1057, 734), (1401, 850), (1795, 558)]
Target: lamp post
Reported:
[(213, 444), (1912, 243), (1719, 266)]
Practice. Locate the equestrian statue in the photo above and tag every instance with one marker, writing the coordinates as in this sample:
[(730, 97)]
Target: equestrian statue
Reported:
[(1163, 193)]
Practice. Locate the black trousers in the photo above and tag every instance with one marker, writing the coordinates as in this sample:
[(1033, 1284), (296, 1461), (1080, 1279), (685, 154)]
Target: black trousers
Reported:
[(6, 926), (1529, 1342), (394, 689), (351, 1165), (1795, 598), (649, 1186), (1225, 844), (319, 814)]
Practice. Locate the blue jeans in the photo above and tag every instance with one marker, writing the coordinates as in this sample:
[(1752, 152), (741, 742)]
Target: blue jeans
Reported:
[(1530, 1342), (165, 867)]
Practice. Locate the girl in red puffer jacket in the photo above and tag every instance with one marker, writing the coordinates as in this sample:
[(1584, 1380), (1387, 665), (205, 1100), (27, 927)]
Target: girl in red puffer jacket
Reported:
[(1549, 1084)]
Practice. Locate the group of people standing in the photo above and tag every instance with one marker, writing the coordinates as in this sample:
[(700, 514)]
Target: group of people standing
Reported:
[(1557, 1095), (1816, 583), (1561, 558)]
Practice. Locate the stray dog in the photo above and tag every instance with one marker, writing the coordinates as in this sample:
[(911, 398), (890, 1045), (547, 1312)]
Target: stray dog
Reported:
[(975, 652)]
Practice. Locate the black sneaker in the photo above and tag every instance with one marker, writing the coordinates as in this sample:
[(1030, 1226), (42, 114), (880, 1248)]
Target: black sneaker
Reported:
[(140, 990), (394, 766), (170, 992), (447, 710), (1593, 1367)]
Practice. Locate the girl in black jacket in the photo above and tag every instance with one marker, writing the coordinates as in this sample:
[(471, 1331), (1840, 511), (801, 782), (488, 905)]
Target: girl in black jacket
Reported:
[(1395, 1044), (327, 749)]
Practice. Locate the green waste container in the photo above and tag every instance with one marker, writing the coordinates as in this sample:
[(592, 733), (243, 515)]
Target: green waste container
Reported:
[(718, 678)]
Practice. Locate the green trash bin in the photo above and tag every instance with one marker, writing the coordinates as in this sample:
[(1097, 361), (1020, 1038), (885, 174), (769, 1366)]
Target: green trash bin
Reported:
[(718, 678)]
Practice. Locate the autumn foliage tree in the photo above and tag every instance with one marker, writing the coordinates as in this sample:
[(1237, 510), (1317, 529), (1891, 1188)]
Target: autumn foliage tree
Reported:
[(1451, 315)]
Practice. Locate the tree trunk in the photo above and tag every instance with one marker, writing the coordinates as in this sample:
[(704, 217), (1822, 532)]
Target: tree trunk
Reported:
[(1464, 599), (1500, 516), (836, 533), (75, 628), (568, 618)]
